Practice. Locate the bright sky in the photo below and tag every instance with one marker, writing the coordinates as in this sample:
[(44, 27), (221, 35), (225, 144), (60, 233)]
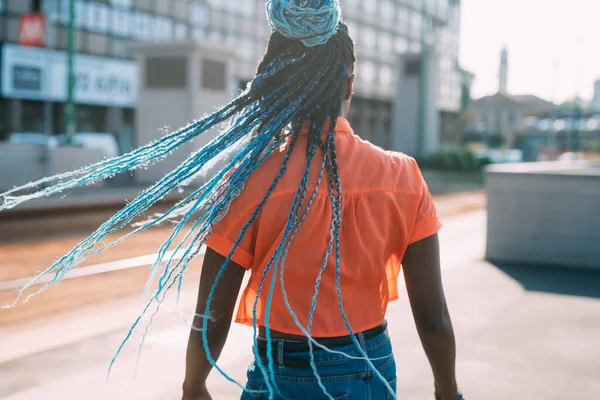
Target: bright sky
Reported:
[(553, 45)]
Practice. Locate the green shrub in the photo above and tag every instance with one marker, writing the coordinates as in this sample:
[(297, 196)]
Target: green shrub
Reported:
[(458, 159)]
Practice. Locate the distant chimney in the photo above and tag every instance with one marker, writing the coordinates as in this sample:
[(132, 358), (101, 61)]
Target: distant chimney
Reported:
[(597, 91), (503, 89)]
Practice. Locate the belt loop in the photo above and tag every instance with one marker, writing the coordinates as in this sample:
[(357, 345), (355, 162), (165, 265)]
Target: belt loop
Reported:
[(361, 340), (280, 345)]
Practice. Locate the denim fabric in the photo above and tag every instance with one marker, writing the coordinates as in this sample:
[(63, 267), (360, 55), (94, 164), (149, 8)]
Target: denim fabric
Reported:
[(344, 378)]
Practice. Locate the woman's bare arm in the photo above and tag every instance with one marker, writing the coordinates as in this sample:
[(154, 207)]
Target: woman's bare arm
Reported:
[(222, 305), (422, 273)]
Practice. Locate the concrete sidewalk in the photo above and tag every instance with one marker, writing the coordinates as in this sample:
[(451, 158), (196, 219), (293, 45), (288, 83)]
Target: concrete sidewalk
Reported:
[(522, 334)]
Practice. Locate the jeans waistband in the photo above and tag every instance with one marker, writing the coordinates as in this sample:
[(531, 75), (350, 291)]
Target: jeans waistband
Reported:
[(283, 350)]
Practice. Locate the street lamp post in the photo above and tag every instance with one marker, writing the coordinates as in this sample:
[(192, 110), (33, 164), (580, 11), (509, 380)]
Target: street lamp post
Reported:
[(70, 104)]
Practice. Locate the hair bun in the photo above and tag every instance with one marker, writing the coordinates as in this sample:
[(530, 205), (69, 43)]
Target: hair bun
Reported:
[(313, 22)]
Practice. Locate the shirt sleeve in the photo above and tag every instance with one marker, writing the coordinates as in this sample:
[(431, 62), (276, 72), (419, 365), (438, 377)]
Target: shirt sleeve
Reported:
[(227, 232), (427, 222)]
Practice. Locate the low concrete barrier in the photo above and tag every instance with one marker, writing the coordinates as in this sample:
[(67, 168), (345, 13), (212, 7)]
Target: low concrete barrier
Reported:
[(545, 214), (21, 164)]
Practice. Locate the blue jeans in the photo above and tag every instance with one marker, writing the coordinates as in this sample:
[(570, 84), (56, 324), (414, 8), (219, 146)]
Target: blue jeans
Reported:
[(343, 378)]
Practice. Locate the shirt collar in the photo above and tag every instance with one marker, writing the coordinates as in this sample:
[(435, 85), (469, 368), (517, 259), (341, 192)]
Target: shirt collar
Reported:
[(342, 126)]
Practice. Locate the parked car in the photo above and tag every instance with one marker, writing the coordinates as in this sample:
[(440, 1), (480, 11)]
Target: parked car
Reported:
[(105, 142), (37, 139)]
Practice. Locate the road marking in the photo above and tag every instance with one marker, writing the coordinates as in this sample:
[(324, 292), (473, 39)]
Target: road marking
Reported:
[(112, 266)]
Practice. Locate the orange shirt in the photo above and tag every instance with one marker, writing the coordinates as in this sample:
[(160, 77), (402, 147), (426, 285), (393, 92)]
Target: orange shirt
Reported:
[(386, 206)]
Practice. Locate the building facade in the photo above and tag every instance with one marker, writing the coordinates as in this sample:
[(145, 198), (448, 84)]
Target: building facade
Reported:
[(595, 103), (107, 29)]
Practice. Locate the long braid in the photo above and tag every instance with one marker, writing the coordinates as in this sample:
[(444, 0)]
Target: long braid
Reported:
[(301, 80)]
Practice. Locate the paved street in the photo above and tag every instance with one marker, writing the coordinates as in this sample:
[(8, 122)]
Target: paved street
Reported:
[(522, 333)]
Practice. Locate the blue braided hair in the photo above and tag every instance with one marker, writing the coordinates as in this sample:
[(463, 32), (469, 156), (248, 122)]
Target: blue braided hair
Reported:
[(313, 22), (301, 80)]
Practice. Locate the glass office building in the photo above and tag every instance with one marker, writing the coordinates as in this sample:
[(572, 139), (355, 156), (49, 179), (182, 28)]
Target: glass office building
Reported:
[(106, 30)]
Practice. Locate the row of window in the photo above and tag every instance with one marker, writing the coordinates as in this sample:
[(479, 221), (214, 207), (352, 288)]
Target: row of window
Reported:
[(107, 27), (384, 9)]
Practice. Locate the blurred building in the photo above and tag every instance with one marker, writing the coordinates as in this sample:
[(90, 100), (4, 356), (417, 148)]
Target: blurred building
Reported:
[(503, 114), (503, 88), (595, 103), (106, 30)]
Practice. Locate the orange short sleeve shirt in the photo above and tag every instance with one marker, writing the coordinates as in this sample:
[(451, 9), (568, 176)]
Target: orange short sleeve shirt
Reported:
[(386, 206)]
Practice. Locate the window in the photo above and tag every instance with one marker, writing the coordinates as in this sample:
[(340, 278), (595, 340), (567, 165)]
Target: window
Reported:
[(412, 67), (214, 75), (245, 49), (367, 71), (51, 8), (386, 77), (401, 45), (350, 4), (81, 13), (443, 10), (166, 73), (3, 115), (143, 28), (11, 30), (247, 8), (386, 42), (402, 20), (416, 24), (369, 38), (91, 118), (181, 31), (198, 14), (98, 17), (163, 29), (122, 23), (370, 7), (216, 36), (431, 6), (32, 116), (386, 11)]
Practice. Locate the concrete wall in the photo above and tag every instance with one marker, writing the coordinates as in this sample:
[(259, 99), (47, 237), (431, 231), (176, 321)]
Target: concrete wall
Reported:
[(21, 164), (545, 214), (162, 111), (65, 159), (416, 95)]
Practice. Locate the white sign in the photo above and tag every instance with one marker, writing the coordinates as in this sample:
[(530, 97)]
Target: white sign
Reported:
[(40, 74)]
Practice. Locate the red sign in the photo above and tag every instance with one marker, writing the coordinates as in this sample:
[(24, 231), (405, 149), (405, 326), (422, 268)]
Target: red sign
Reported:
[(32, 30)]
